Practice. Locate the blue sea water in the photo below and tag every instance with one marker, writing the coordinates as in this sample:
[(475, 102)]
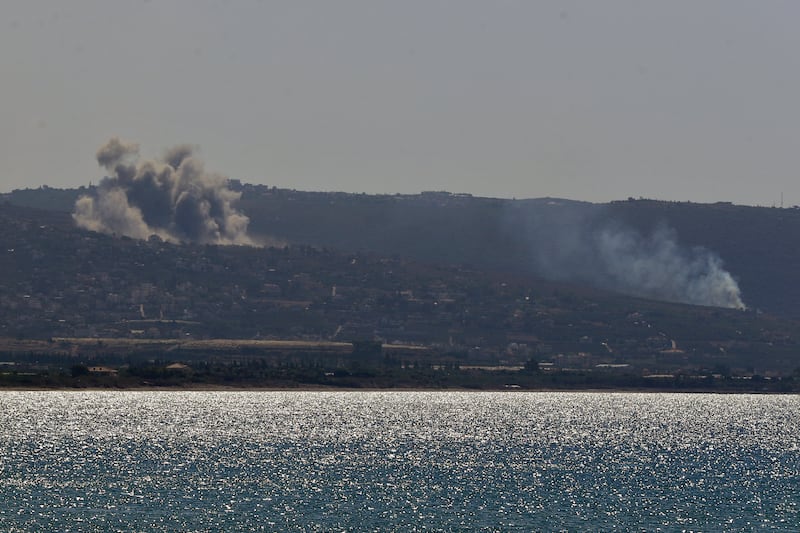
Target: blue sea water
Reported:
[(398, 461)]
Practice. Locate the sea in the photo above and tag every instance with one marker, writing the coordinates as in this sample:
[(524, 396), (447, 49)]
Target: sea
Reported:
[(398, 461)]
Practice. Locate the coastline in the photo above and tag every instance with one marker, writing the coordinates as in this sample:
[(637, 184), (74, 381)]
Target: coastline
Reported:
[(305, 388)]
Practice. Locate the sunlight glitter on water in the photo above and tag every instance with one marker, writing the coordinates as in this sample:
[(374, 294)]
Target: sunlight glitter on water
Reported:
[(86, 461)]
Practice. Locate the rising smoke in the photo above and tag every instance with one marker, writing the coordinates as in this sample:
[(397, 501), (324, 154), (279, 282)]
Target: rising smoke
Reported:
[(173, 198), (573, 243)]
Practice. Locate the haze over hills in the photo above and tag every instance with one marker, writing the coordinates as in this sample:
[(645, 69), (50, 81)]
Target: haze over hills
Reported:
[(68, 292), (709, 254)]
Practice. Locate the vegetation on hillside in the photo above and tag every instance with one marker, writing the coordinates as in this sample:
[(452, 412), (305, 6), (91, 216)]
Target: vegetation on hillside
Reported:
[(62, 286)]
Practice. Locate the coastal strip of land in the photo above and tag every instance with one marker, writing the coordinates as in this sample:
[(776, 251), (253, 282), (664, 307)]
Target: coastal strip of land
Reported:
[(86, 363)]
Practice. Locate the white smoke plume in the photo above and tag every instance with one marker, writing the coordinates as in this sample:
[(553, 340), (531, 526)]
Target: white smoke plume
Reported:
[(172, 197), (579, 245), (656, 266)]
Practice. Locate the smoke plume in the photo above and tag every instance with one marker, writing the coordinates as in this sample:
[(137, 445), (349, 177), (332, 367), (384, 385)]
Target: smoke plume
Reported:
[(573, 243), (172, 197)]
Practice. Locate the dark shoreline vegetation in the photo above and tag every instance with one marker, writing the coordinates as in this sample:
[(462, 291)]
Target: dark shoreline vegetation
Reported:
[(328, 305), (228, 364)]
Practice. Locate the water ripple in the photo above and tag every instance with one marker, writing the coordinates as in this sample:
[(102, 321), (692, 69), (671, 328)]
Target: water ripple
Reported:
[(320, 461)]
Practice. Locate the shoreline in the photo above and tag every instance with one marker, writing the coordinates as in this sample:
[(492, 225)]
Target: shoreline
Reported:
[(225, 388)]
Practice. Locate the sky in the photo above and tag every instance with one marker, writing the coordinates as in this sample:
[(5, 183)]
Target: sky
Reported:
[(597, 101)]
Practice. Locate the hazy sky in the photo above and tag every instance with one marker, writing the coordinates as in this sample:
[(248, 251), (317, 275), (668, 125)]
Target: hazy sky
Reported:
[(592, 100)]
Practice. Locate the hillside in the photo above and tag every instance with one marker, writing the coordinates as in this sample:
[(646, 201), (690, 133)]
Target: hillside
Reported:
[(63, 283), (756, 245), (550, 238)]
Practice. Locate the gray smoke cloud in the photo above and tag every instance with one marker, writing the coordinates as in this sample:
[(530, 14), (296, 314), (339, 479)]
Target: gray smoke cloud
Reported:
[(172, 197), (578, 244)]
